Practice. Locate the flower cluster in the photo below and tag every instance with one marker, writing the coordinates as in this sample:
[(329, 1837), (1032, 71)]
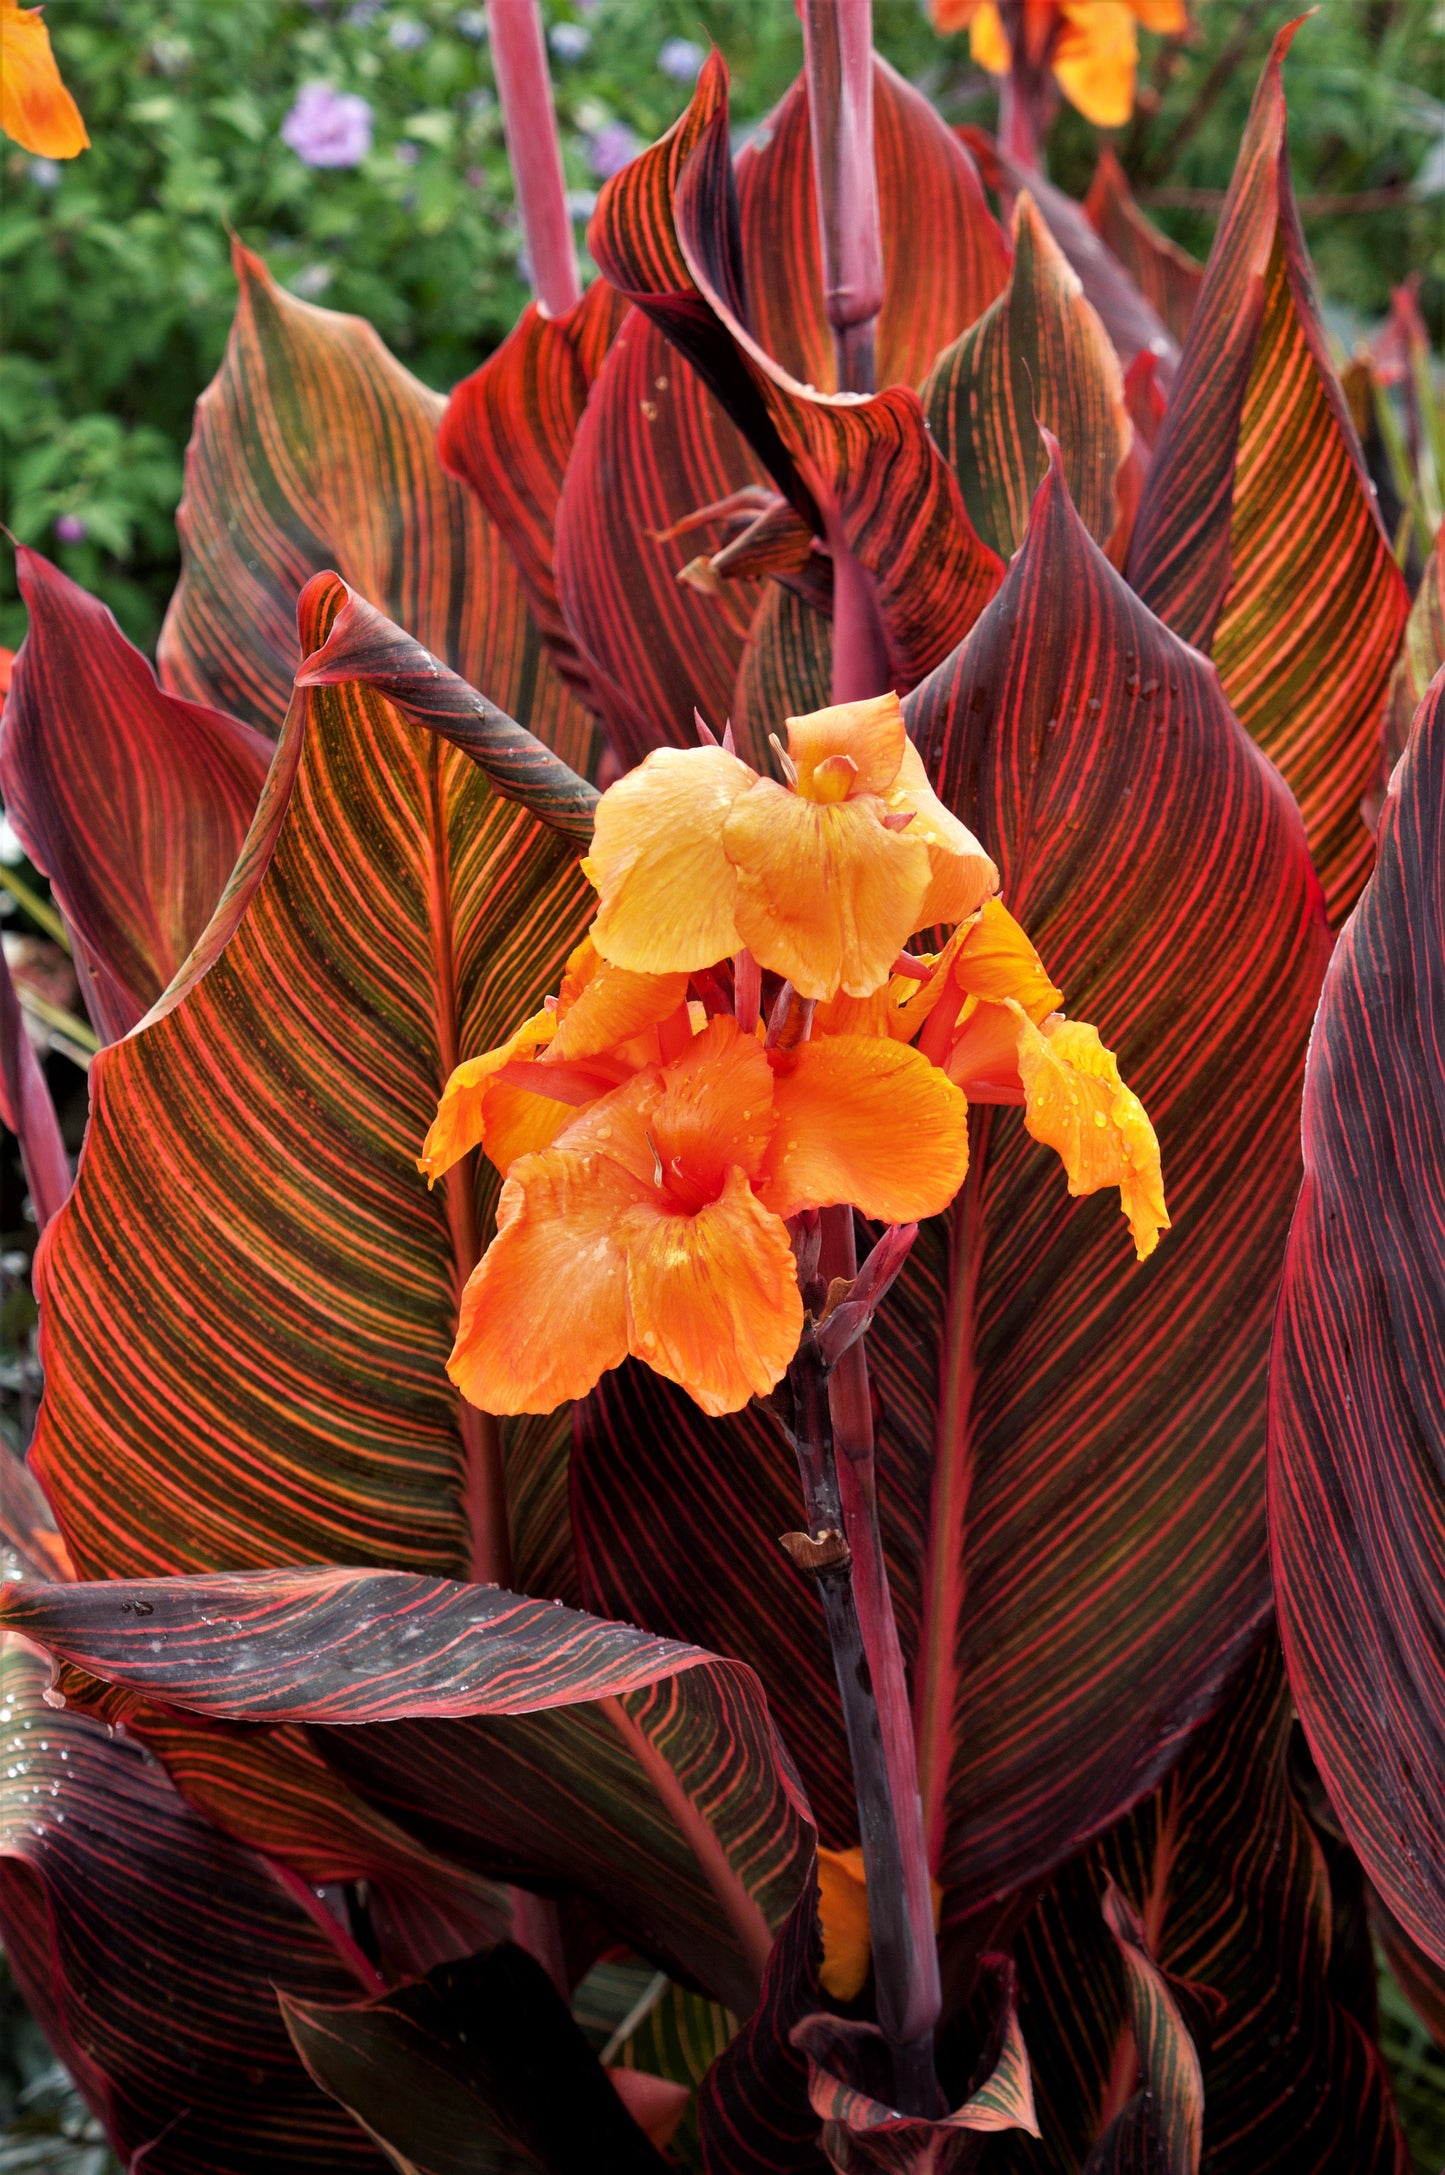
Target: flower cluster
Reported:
[(1092, 46), (658, 1136)]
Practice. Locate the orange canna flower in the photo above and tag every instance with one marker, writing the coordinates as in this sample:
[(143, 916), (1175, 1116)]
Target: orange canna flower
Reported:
[(1092, 46), (36, 110), (843, 1917), (822, 879), (653, 1224)]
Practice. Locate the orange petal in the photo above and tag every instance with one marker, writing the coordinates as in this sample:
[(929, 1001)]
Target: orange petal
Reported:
[(1171, 17), (843, 1913), (715, 1110), (712, 1299), (826, 895), (668, 890), (615, 1005), (1096, 59), (988, 40), (996, 960), (983, 1055), (461, 1119), (871, 735), (951, 15), (515, 1123), (36, 110), (962, 874), (1078, 1105), (868, 1122), (544, 1314)]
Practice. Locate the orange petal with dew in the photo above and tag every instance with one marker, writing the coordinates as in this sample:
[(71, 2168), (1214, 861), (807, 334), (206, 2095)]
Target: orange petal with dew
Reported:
[(715, 1110), (515, 1123), (1077, 1105), (826, 896), (36, 110), (997, 960), (843, 1915), (615, 1005), (668, 890), (868, 1122), (461, 1119), (544, 1314), (870, 734), (1096, 59), (962, 875), (712, 1299)]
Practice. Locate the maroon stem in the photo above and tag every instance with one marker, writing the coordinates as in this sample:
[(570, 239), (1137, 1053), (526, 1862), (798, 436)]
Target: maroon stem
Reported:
[(519, 59), (860, 644), (838, 58), (27, 1109), (1027, 98), (850, 1408)]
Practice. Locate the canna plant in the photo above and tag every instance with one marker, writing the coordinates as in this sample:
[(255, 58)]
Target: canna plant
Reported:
[(581, 922)]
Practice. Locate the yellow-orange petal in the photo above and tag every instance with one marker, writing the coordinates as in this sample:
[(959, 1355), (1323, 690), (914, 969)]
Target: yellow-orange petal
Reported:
[(712, 1299), (997, 960), (1077, 1105), (715, 1110), (988, 40), (668, 891), (460, 1122), (961, 874), (870, 734), (515, 1123), (615, 1005), (1096, 59), (843, 1915), (1170, 17), (826, 896), (544, 1314), (36, 110), (982, 1056), (868, 1122)]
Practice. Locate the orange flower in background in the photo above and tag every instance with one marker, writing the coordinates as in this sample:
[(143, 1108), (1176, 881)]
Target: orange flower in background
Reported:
[(1092, 46), (654, 1222), (36, 110), (822, 879)]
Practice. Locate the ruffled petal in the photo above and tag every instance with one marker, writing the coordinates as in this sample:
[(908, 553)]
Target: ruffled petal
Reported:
[(461, 1120), (715, 1111), (1078, 1105), (983, 1055), (36, 110), (997, 960), (544, 1314), (826, 896), (871, 734), (712, 1299), (615, 1005), (1096, 59), (668, 890), (961, 874), (843, 1915), (868, 1122)]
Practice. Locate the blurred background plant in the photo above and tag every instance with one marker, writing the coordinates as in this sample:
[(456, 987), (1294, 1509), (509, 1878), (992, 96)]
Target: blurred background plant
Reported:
[(357, 144)]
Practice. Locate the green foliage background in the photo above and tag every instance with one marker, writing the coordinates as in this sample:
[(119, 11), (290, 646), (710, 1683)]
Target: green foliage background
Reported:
[(117, 284)]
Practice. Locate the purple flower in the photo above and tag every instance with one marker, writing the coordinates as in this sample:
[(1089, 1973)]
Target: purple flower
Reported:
[(681, 59), (472, 23), (406, 154), (327, 127), (569, 41), (70, 528), (612, 147), (407, 35), (45, 173)]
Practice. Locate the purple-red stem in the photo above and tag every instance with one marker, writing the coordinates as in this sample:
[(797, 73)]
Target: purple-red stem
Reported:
[(28, 1110), (838, 59), (1027, 99), (524, 86)]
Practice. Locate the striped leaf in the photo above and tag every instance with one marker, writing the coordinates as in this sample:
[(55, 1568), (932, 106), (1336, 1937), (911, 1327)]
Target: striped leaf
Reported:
[(520, 1737), (1070, 1446), (251, 1156), (754, 2115), (1166, 275), (1161, 2127), (314, 449), (1037, 355), (1357, 1502), (1422, 653), (476, 2069), (1227, 1877), (150, 1949), (26, 1108), (509, 431), (133, 802), (1258, 538)]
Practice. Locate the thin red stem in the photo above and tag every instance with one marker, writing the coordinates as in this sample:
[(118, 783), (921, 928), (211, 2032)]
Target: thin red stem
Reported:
[(838, 59), (524, 86), (28, 1109)]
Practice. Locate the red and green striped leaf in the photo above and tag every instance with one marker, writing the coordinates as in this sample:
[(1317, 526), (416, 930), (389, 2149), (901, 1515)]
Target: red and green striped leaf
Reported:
[(1258, 538), (150, 1948), (754, 2114), (516, 1736), (1166, 275), (509, 431), (1161, 2127), (132, 801), (314, 449), (1038, 355), (1071, 1445), (1357, 1472), (1226, 1875), (265, 1380), (476, 2069), (27, 1110), (1422, 653)]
